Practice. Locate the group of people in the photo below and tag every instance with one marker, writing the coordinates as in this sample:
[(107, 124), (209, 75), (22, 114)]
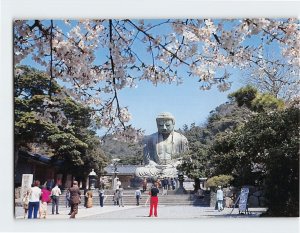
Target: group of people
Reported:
[(118, 197), (153, 196), (36, 200), (168, 184)]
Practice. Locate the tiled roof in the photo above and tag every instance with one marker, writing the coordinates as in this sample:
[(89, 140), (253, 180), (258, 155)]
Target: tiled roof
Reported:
[(44, 159)]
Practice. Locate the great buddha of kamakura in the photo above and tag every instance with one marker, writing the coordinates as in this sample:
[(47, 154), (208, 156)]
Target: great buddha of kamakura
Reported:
[(162, 148)]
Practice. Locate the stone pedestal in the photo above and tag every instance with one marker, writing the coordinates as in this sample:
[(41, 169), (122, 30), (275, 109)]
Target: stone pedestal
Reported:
[(180, 190)]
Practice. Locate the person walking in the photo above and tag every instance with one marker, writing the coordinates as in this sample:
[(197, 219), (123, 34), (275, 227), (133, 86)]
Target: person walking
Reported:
[(101, 196), (138, 194), (55, 192), (153, 200), (34, 200), (75, 198), (220, 198), (45, 199)]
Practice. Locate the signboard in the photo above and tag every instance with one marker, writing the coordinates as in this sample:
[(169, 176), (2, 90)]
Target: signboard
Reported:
[(243, 199), (27, 180)]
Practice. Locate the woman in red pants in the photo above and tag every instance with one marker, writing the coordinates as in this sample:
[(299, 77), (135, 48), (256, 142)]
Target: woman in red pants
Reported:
[(153, 200)]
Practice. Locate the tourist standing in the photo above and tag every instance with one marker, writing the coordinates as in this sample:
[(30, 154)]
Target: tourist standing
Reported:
[(220, 198), (173, 182), (102, 184), (121, 196), (138, 196), (118, 184), (116, 197), (74, 198), (25, 201), (101, 196), (45, 199), (144, 184), (89, 196), (165, 186), (34, 200), (50, 184), (68, 199), (165, 183), (153, 200), (55, 192), (85, 197), (169, 183)]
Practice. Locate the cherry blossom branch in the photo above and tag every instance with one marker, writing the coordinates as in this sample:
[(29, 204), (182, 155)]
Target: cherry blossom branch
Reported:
[(129, 46), (51, 60), (161, 45), (113, 72)]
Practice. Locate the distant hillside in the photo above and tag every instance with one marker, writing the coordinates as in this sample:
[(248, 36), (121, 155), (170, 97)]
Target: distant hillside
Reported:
[(129, 153)]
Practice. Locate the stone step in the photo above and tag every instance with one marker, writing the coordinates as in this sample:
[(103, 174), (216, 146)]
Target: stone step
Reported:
[(129, 199)]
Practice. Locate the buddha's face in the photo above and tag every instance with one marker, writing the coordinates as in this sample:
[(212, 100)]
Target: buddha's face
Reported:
[(165, 126)]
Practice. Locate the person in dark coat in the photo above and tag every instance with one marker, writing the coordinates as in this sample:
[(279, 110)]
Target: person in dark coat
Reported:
[(101, 196), (74, 198)]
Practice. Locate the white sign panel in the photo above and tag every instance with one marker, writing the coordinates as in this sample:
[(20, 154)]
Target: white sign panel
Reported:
[(243, 199), (27, 180)]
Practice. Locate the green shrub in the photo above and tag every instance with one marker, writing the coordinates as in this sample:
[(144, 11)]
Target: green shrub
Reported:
[(221, 180)]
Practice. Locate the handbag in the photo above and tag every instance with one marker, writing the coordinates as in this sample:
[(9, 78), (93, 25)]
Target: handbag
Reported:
[(25, 200)]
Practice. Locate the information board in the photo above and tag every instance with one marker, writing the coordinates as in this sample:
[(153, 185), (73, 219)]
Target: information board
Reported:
[(243, 199), (26, 183)]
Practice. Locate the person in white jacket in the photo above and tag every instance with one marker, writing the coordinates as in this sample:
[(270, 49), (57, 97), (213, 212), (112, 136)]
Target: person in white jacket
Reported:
[(55, 192), (220, 198), (34, 200), (138, 195)]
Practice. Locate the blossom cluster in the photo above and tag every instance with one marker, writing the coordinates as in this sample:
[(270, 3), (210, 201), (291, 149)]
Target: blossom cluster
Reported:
[(128, 134), (97, 58)]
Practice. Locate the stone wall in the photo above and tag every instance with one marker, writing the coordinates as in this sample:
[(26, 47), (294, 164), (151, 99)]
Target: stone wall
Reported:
[(255, 197)]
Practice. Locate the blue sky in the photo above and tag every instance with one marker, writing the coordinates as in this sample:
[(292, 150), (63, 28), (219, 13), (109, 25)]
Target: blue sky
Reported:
[(186, 102)]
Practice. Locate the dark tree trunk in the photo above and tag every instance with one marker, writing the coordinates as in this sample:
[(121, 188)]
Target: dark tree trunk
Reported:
[(197, 184)]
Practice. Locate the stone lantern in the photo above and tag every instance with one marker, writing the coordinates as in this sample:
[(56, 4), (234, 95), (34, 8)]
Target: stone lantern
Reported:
[(180, 189), (92, 179), (180, 179)]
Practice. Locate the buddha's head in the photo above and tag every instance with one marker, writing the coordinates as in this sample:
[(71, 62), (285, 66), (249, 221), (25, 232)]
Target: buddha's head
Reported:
[(165, 123)]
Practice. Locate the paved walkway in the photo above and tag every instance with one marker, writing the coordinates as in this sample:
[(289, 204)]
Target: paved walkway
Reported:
[(141, 212)]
